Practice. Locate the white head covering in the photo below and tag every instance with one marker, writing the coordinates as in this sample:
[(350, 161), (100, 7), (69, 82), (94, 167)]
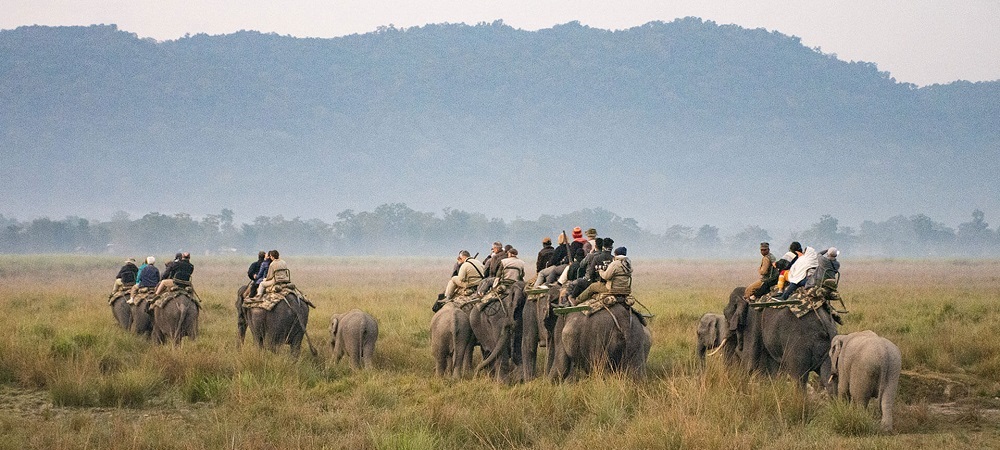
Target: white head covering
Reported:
[(832, 252), (150, 260)]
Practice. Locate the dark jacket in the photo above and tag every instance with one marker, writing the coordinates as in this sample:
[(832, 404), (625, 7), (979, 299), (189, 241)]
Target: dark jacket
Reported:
[(168, 269), (559, 257), (128, 273), (544, 255), (262, 273), (149, 277), (254, 268), (183, 270), (598, 263)]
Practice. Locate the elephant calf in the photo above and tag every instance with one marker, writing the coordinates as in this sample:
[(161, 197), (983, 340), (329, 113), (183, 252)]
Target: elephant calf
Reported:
[(354, 333), (711, 332), (864, 366)]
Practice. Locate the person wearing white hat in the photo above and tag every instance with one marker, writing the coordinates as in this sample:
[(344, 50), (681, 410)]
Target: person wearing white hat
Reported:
[(828, 266)]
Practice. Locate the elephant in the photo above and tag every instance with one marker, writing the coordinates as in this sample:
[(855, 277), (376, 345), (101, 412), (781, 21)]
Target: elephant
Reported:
[(774, 339), (538, 325), (285, 323), (176, 319), (142, 318), (497, 327), (242, 316), (711, 332), (452, 341), (122, 310), (613, 339), (354, 333), (864, 366)]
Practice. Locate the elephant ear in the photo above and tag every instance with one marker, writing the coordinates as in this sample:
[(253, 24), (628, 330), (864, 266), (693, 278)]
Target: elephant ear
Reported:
[(836, 346), (713, 332), (333, 325)]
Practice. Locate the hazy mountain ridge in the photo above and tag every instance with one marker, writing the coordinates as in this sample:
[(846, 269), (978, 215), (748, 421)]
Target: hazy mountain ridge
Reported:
[(684, 116)]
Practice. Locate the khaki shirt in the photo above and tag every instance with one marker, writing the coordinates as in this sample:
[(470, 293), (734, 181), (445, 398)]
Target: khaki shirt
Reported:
[(766, 266), (512, 269), (619, 276), (470, 273), (277, 272)]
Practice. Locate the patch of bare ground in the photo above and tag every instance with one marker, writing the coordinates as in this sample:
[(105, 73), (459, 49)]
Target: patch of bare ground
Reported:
[(38, 404)]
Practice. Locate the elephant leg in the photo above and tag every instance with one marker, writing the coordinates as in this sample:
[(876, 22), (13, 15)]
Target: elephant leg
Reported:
[(368, 354)]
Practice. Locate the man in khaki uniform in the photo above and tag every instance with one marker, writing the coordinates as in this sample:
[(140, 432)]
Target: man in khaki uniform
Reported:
[(470, 273), (767, 271)]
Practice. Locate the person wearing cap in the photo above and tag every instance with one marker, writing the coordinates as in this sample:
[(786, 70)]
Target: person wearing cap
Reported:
[(544, 255), (492, 261), (470, 274), (828, 266), (766, 271), (126, 276), (591, 244), (616, 278), (555, 265), (511, 267), (180, 274), (149, 276), (168, 268)]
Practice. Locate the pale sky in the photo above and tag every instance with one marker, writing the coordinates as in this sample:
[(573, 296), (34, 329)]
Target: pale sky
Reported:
[(918, 41)]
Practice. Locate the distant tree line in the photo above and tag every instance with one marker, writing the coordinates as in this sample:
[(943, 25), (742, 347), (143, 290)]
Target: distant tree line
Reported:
[(395, 229)]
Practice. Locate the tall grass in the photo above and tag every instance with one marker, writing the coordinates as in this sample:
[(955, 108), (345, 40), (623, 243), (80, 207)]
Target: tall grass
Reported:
[(71, 379)]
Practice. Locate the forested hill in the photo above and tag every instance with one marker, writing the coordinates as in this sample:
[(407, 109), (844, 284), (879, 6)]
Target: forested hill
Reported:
[(683, 122)]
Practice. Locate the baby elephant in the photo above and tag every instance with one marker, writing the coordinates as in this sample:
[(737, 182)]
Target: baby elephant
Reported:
[(711, 331), (354, 333), (865, 366)]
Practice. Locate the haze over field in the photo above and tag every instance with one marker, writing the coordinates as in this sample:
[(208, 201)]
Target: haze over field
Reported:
[(681, 123)]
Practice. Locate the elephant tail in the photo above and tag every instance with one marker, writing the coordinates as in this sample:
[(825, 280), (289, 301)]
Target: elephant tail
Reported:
[(501, 343), (180, 321)]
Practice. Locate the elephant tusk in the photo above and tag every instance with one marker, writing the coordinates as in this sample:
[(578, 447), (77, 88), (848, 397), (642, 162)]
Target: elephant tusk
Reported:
[(721, 344)]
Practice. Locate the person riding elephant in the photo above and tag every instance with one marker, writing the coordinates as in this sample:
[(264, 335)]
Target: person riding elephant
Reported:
[(179, 275), (277, 272), (866, 366), (827, 266), (768, 340), (802, 270), (544, 254), (148, 278), (617, 278), (470, 274), (766, 271), (555, 265), (126, 276), (252, 273)]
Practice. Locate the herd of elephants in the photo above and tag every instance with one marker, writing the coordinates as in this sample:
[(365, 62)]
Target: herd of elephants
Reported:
[(612, 339)]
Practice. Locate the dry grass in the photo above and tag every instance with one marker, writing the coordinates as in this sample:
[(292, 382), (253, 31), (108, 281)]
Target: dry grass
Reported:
[(70, 379)]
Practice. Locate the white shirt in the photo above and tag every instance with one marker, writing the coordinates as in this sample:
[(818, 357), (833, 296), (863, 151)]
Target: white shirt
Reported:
[(800, 269)]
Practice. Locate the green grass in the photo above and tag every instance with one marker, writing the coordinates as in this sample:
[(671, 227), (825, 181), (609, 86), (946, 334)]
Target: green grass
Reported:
[(70, 379)]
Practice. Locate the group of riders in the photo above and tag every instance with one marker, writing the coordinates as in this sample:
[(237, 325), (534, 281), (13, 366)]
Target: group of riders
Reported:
[(582, 267), (147, 281), (799, 267)]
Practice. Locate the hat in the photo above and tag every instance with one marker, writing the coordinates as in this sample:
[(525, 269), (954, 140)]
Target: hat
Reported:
[(546, 240), (788, 256), (765, 245), (130, 260), (591, 233), (832, 252), (577, 233), (621, 251), (150, 260)]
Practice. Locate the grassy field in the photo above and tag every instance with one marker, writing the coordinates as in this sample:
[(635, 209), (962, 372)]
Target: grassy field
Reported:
[(70, 379)]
